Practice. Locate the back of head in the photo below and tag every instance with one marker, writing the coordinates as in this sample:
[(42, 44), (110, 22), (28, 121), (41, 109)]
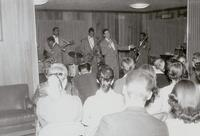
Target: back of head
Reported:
[(127, 64), (197, 72), (56, 80), (195, 58), (196, 55), (84, 66), (175, 70), (159, 64), (184, 100), (140, 83), (105, 74), (57, 69), (148, 68), (182, 59)]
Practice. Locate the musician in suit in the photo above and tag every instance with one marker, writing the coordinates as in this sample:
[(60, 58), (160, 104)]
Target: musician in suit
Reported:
[(89, 49), (134, 120), (109, 48), (52, 51), (63, 45), (143, 49), (58, 39)]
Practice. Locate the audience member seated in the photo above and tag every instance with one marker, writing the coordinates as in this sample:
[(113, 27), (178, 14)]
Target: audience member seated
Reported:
[(161, 78), (127, 65), (184, 118), (149, 68), (85, 82), (183, 60), (70, 88), (175, 73), (104, 102), (195, 59), (197, 74), (58, 112), (134, 120)]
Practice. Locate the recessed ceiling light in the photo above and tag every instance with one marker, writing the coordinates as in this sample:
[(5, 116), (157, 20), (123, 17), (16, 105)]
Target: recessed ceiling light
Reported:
[(39, 2), (139, 5)]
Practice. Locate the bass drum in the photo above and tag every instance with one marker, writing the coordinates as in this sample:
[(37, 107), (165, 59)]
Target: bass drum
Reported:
[(73, 70)]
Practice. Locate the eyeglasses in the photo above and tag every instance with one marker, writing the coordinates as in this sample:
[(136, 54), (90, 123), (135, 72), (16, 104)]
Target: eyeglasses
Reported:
[(105, 79), (57, 74)]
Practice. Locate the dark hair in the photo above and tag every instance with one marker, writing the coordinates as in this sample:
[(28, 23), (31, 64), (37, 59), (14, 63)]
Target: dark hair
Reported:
[(55, 28), (83, 66), (51, 38), (196, 55), (106, 73), (143, 33), (184, 101), (104, 30), (197, 66), (175, 69), (91, 29)]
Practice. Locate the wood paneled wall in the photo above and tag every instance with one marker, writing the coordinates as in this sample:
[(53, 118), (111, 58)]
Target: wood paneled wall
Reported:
[(18, 50), (164, 34), (124, 27), (193, 41)]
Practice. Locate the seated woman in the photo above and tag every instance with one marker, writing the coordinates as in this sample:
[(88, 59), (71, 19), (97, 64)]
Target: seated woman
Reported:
[(161, 77), (185, 114), (58, 112)]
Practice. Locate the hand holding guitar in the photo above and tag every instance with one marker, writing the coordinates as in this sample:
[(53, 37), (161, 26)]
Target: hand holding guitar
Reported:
[(137, 50), (66, 44)]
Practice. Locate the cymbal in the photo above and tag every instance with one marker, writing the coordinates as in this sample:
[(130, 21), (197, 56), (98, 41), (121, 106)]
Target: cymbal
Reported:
[(74, 54)]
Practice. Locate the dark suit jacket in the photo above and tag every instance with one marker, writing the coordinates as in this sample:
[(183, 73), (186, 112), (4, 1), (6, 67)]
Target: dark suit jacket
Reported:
[(162, 80), (131, 122), (54, 53), (86, 85)]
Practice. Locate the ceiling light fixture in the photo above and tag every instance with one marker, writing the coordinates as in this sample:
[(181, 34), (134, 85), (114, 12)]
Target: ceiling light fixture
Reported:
[(39, 2), (139, 5)]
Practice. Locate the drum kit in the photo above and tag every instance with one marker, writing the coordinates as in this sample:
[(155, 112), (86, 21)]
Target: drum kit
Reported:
[(73, 68)]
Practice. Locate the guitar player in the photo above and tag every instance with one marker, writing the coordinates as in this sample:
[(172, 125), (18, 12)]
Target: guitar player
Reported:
[(143, 49)]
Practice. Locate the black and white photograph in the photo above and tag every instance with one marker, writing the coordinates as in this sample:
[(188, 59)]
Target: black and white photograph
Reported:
[(99, 67)]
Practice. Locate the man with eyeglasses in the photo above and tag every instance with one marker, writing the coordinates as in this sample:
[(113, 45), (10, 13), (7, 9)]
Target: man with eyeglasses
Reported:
[(104, 102)]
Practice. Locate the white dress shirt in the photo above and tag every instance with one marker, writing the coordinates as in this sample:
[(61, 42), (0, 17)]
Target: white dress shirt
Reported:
[(111, 44), (97, 106), (56, 39), (91, 41)]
